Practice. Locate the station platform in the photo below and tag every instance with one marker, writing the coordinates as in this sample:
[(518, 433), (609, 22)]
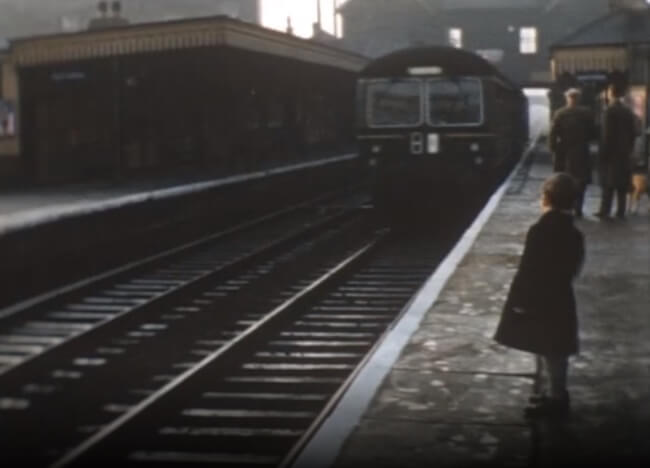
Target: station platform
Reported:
[(53, 237), (33, 207), (439, 392)]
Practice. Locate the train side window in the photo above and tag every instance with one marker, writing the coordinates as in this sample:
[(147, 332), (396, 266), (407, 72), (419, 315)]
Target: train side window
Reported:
[(360, 114)]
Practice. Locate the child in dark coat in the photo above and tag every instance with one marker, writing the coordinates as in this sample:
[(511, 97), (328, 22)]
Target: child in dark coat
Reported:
[(540, 311)]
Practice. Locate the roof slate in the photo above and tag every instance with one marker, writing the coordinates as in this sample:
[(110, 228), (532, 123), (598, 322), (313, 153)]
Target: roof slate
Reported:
[(616, 28)]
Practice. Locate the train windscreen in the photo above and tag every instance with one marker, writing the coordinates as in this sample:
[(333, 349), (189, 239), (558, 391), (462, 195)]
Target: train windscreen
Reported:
[(394, 103), (454, 101)]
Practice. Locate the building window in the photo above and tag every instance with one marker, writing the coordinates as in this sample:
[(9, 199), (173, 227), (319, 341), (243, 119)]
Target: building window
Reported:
[(528, 40), (456, 37), (338, 32)]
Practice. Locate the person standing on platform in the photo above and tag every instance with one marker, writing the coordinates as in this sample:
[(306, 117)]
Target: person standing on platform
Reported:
[(617, 146), (540, 315), (571, 132)]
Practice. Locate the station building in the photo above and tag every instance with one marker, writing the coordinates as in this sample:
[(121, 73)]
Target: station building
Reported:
[(613, 47), (171, 95), (513, 34)]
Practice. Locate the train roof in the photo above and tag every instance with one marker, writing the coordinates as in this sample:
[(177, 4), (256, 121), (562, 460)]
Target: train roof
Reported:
[(141, 38), (450, 60)]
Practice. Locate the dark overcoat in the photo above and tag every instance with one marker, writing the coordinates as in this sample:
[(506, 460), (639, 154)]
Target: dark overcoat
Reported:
[(617, 145), (572, 130), (539, 315)]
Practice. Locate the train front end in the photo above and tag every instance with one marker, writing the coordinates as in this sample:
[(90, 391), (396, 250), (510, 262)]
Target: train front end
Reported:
[(424, 135)]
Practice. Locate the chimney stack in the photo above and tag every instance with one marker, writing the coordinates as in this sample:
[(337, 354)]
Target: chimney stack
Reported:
[(319, 15), (116, 8), (335, 6), (108, 21), (102, 6)]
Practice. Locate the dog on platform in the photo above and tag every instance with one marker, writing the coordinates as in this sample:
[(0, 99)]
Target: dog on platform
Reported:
[(638, 187)]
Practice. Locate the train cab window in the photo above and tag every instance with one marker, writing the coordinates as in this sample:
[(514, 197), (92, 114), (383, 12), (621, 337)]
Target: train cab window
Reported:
[(394, 103), (454, 102)]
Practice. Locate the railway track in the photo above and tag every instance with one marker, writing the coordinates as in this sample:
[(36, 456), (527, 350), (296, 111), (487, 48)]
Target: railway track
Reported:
[(229, 352), (245, 388), (34, 326), (81, 357)]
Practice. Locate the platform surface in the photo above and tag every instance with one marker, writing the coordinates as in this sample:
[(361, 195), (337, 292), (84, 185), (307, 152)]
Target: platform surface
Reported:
[(26, 208), (439, 392)]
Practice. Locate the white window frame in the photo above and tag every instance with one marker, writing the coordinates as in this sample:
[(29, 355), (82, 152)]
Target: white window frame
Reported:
[(455, 37), (528, 40)]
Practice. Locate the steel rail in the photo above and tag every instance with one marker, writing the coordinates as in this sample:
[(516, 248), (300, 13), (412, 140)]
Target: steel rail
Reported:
[(166, 255), (76, 453), (172, 291)]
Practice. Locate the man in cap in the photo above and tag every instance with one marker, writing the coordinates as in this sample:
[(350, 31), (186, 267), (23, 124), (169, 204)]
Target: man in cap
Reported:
[(572, 130)]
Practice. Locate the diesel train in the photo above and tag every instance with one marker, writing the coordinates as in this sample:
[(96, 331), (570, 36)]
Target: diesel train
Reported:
[(437, 123)]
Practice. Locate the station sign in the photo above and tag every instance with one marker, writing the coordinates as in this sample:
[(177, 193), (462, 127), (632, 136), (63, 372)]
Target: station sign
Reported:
[(68, 76), (598, 77)]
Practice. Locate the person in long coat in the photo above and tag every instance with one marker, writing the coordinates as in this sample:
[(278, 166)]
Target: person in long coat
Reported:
[(572, 130), (540, 315), (618, 137)]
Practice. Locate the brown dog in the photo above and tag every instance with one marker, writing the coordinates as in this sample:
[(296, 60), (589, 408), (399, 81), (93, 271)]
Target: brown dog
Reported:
[(638, 187)]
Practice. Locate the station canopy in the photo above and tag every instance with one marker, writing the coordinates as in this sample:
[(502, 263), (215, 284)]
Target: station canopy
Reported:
[(602, 44)]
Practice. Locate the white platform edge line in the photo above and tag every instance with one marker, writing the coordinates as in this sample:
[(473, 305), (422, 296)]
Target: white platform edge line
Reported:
[(32, 218), (324, 448)]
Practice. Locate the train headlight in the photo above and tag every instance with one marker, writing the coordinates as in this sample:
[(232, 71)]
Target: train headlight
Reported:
[(433, 143), (376, 149), (478, 160), (474, 147), (372, 162)]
